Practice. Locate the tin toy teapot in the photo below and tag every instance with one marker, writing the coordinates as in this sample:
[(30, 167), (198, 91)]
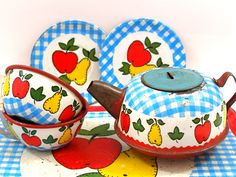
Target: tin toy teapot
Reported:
[(168, 112)]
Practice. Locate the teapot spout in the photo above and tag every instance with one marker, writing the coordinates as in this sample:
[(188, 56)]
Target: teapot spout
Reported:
[(108, 96)]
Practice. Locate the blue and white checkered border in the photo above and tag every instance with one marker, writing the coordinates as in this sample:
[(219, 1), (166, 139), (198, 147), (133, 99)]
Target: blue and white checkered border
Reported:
[(15, 106), (67, 27), (166, 105), (132, 26)]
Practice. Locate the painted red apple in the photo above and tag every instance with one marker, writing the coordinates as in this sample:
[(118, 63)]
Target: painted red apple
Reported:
[(232, 120), (94, 153), (125, 121), (31, 140), (20, 88), (202, 131), (64, 62), (137, 55), (69, 112)]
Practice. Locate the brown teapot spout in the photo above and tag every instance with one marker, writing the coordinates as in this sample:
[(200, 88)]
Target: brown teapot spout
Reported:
[(108, 96)]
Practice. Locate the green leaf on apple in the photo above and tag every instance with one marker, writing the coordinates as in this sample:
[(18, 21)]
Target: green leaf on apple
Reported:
[(150, 121), (147, 42), (71, 42), (28, 76), (55, 88), (92, 174), (138, 126), (101, 130), (73, 48), (176, 134), (86, 53), (129, 111), (50, 140), (160, 122), (196, 120), (125, 68), (64, 93), (164, 65), (159, 62), (62, 46), (206, 117), (21, 73), (124, 107), (218, 120), (37, 94), (25, 130), (65, 79), (153, 50), (62, 129), (156, 44), (33, 132)]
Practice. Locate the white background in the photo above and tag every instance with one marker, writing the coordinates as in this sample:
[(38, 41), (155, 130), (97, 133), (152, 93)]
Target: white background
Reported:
[(207, 28)]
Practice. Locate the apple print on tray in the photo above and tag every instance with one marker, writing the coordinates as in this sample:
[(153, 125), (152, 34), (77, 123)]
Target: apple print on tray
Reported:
[(70, 50), (98, 152)]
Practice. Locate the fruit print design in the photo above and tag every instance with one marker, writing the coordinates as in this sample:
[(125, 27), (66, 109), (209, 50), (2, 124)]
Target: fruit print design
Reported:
[(69, 112), (79, 74), (22, 83), (6, 84), (65, 60), (139, 55), (125, 118), (94, 153), (50, 140), (30, 138), (67, 134), (131, 163), (52, 104), (203, 130), (154, 134)]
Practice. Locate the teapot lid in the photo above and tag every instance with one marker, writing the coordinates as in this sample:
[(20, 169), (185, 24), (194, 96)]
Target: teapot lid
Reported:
[(172, 79)]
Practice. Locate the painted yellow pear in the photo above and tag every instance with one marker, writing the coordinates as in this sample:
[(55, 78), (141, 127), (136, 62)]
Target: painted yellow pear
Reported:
[(131, 163), (52, 104), (79, 75), (154, 135), (136, 70), (66, 137), (6, 86)]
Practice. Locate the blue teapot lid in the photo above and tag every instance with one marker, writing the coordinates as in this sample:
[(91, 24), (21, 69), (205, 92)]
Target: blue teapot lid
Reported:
[(172, 79)]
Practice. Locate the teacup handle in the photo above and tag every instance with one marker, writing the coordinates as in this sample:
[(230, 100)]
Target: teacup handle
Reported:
[(5, 131), (221, 82)]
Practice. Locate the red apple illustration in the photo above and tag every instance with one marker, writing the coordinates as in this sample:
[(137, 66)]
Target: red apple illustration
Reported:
[(202, 131), (94, 153), (125, 119), (30, 138), (20, 87), (137, 55), (232, 120), (69, 112), (65, 60)]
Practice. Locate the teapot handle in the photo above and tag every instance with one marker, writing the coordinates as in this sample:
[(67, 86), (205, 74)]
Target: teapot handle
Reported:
[(221, 82)]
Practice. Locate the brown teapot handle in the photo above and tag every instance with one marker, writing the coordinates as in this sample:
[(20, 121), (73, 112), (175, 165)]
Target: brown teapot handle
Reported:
[(221, 82)]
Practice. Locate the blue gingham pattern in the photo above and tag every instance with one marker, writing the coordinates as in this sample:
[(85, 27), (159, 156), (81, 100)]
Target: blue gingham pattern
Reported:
[(220, 161), (14, 106), (132, 26), (165, 104), (68, 27)]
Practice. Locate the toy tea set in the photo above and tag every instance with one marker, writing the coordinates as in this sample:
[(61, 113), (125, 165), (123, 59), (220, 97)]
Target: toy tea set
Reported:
[(159, 110)]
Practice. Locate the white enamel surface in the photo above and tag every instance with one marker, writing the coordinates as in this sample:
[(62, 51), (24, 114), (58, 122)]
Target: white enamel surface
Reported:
[(185, 125)]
